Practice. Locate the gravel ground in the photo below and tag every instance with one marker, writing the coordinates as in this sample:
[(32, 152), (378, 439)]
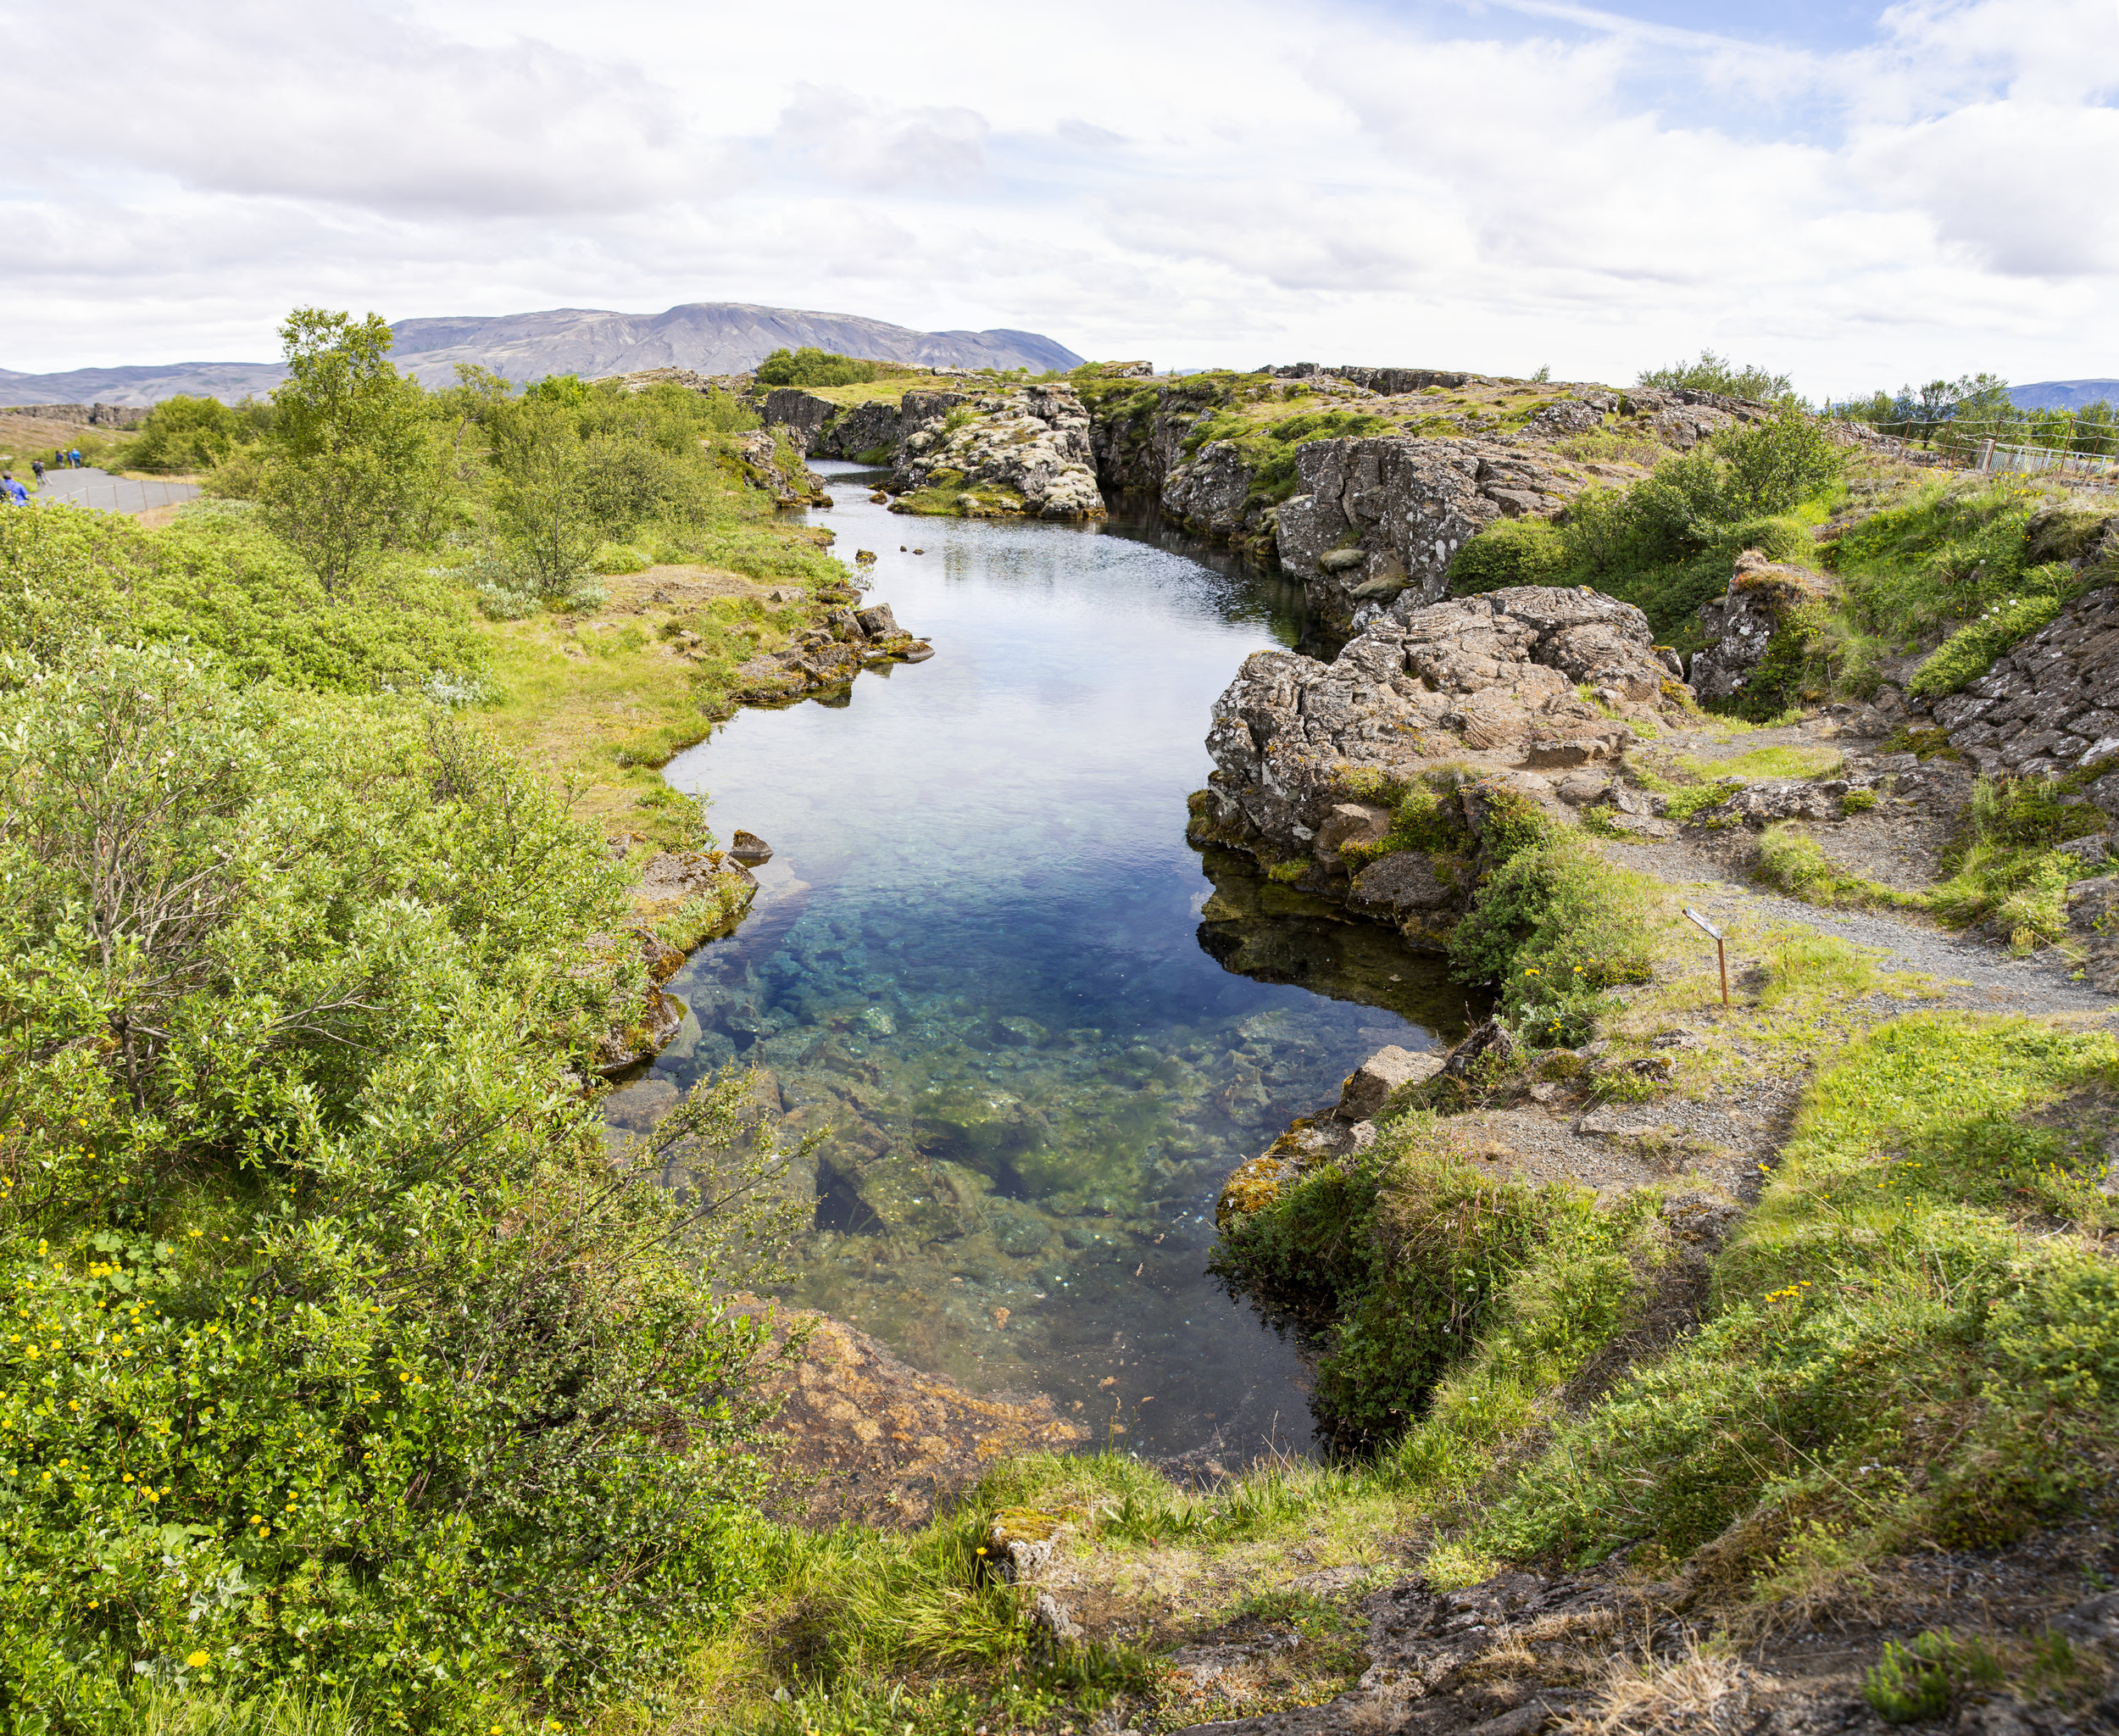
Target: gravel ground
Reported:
[(1980, 976)]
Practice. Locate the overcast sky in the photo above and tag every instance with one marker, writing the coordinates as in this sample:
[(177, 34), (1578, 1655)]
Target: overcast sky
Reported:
[(1855, 195)]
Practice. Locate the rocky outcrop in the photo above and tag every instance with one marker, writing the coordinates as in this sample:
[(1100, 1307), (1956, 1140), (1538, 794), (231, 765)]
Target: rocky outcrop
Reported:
[(1215, 495), (1492, 678), (85, 415), (866, 432), (1350, 1127), (829, 654), (1742, 622), (1025, 453), (788, 481), (1377, 519), (2051, 704)]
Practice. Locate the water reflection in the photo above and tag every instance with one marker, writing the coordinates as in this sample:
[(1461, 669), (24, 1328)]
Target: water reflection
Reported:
[(984, 960)]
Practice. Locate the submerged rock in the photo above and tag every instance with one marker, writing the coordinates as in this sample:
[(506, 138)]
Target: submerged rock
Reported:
[(863, 1438)]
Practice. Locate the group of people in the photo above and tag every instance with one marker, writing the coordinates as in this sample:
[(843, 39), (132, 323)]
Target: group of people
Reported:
[(13, 493)]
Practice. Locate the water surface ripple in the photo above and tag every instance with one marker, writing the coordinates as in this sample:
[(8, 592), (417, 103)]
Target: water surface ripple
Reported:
[(979, 958)]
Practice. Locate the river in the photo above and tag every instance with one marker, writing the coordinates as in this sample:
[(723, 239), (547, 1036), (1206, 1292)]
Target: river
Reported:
[(978, 956)]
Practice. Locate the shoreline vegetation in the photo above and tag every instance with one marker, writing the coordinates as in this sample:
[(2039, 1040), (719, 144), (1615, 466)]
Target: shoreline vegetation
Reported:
[(356, 1381)]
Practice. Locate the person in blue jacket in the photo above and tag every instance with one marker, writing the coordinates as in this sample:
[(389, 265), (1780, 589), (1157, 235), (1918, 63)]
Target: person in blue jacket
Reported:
[(16, 494), (74, 457)]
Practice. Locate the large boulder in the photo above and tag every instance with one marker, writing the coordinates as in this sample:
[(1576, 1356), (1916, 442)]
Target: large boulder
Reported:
[(1024, 452), (1492, 677), (1742, 622)]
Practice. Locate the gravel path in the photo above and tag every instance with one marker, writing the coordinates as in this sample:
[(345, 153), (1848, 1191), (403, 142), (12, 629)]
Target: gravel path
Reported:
[(1981, 975)]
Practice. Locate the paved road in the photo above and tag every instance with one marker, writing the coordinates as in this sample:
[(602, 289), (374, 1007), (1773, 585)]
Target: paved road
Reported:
[(89, 486)]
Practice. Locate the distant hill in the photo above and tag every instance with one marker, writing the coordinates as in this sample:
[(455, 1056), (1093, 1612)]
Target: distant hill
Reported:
[(713, 337), (2064, 394)]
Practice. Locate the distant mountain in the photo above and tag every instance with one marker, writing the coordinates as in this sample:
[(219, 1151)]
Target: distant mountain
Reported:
[(226, 380), (2064, 394), (713, 337)]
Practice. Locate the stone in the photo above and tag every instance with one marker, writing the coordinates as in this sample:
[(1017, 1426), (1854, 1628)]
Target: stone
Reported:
[(1408, 502), (1055, 1619), (1404, 887), (749, 849), (1493, 675), (1349, 823), (1490, 1043), (1023, 451), (2050, 704), (1369, 1087), (877, 621), (1741, 624), (1579, 789)]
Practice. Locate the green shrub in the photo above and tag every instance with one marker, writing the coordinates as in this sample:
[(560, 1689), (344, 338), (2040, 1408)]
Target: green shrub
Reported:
[(2005, 870), (1908, 1682), (218, 580), (1389, 1305), (1507, 552), (1774, 466), (183, 434), (811, 366), (346, 1356), (1918, 1680), (1555, 926), (1714, 373)]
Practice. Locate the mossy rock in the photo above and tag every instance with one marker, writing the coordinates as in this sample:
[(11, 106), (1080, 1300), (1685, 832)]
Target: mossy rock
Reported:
[(1013, 1525), (1251, 1188)]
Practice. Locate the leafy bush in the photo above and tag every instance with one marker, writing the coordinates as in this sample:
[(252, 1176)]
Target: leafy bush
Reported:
[(218, 580), (811, 366), (345, 1357), (1555, 925), (352, 465), (184, 434), (1509, 552), (1712, 373), (1775, 466)]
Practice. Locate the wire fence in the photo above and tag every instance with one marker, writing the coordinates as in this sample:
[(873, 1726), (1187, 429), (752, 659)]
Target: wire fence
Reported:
[(109, 493)]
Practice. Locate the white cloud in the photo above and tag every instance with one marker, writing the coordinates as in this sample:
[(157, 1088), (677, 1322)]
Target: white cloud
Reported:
[(1537, 182)]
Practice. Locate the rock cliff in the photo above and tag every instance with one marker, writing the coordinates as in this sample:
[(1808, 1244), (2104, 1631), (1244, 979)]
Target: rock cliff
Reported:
[(1021, 451), (1368, 518)]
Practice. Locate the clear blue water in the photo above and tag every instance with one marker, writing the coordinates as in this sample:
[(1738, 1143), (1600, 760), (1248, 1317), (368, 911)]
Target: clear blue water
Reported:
[(978, 959)]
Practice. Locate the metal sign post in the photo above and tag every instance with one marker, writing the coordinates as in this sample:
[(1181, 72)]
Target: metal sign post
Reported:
[(1721, 954)]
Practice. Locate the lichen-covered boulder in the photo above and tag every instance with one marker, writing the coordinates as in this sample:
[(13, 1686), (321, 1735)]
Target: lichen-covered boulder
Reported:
[(1493, 677), (1020, 452), (1742, 622)]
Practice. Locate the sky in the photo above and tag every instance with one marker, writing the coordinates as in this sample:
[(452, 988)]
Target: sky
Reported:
[(1855, 195)]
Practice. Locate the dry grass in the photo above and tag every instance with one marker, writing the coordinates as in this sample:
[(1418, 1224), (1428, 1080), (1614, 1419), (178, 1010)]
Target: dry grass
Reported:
[(1699, 1690)]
